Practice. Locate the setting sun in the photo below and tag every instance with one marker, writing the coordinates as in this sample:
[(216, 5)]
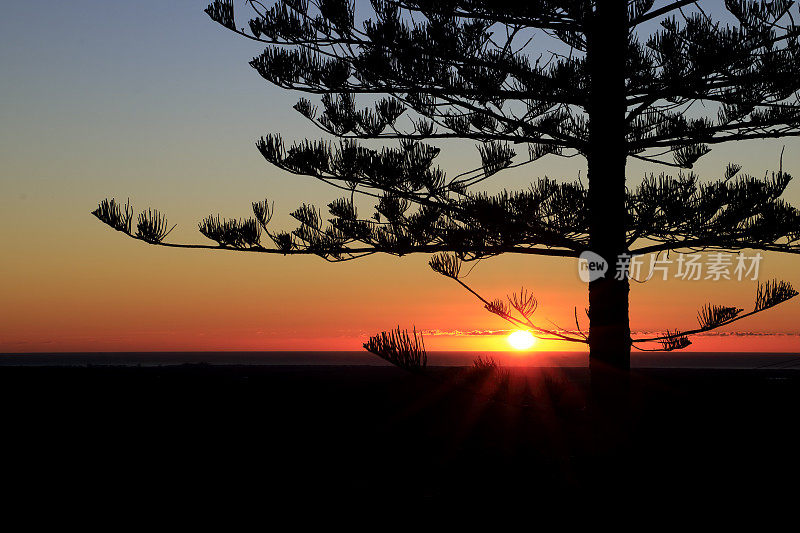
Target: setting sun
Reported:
[(521, 340)]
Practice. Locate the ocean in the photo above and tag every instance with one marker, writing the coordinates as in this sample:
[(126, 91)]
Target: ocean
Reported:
[(720, 360)]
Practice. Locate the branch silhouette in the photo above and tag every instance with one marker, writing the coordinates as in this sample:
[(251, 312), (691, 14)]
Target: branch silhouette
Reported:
[(624, 79)]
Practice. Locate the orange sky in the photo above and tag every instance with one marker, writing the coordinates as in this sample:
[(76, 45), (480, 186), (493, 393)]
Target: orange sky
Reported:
[(108, 293)]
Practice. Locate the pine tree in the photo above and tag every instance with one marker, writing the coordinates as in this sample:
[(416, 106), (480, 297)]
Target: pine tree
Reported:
[(410, 73)]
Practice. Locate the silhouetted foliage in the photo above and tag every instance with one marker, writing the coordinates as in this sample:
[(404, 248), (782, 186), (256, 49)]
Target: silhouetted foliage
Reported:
[(400, 348), (413, 73), (773, 293), (674, 340), (233, 233), (152, 226), (714, 316), (485, 363), (494, 377), (111, 213)]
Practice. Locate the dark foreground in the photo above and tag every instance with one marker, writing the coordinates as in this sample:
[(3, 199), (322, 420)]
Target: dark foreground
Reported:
[(207, 434)]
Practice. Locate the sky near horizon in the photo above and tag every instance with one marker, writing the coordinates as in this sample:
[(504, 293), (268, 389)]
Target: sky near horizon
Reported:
[(152, 101)]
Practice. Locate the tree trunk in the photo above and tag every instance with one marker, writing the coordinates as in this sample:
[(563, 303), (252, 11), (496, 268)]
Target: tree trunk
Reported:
[(609, 329)]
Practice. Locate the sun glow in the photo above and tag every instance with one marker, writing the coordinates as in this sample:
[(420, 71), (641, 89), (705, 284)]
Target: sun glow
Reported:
[(521, 340)]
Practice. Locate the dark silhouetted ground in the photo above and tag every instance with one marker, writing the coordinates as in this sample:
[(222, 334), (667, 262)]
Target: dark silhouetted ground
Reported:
[(199, 433)]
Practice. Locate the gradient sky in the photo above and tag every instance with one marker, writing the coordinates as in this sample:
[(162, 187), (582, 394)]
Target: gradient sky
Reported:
[(151, 100)]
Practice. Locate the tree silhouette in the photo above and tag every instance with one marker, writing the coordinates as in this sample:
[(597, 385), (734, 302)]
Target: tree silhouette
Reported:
[(413, 72)]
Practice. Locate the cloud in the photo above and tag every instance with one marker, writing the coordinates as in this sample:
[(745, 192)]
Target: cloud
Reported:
[(729, 333), (468, 333), (491, 332)]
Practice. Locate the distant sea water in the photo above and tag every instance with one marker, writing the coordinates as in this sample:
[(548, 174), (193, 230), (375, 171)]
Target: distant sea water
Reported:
[(742, 360)]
